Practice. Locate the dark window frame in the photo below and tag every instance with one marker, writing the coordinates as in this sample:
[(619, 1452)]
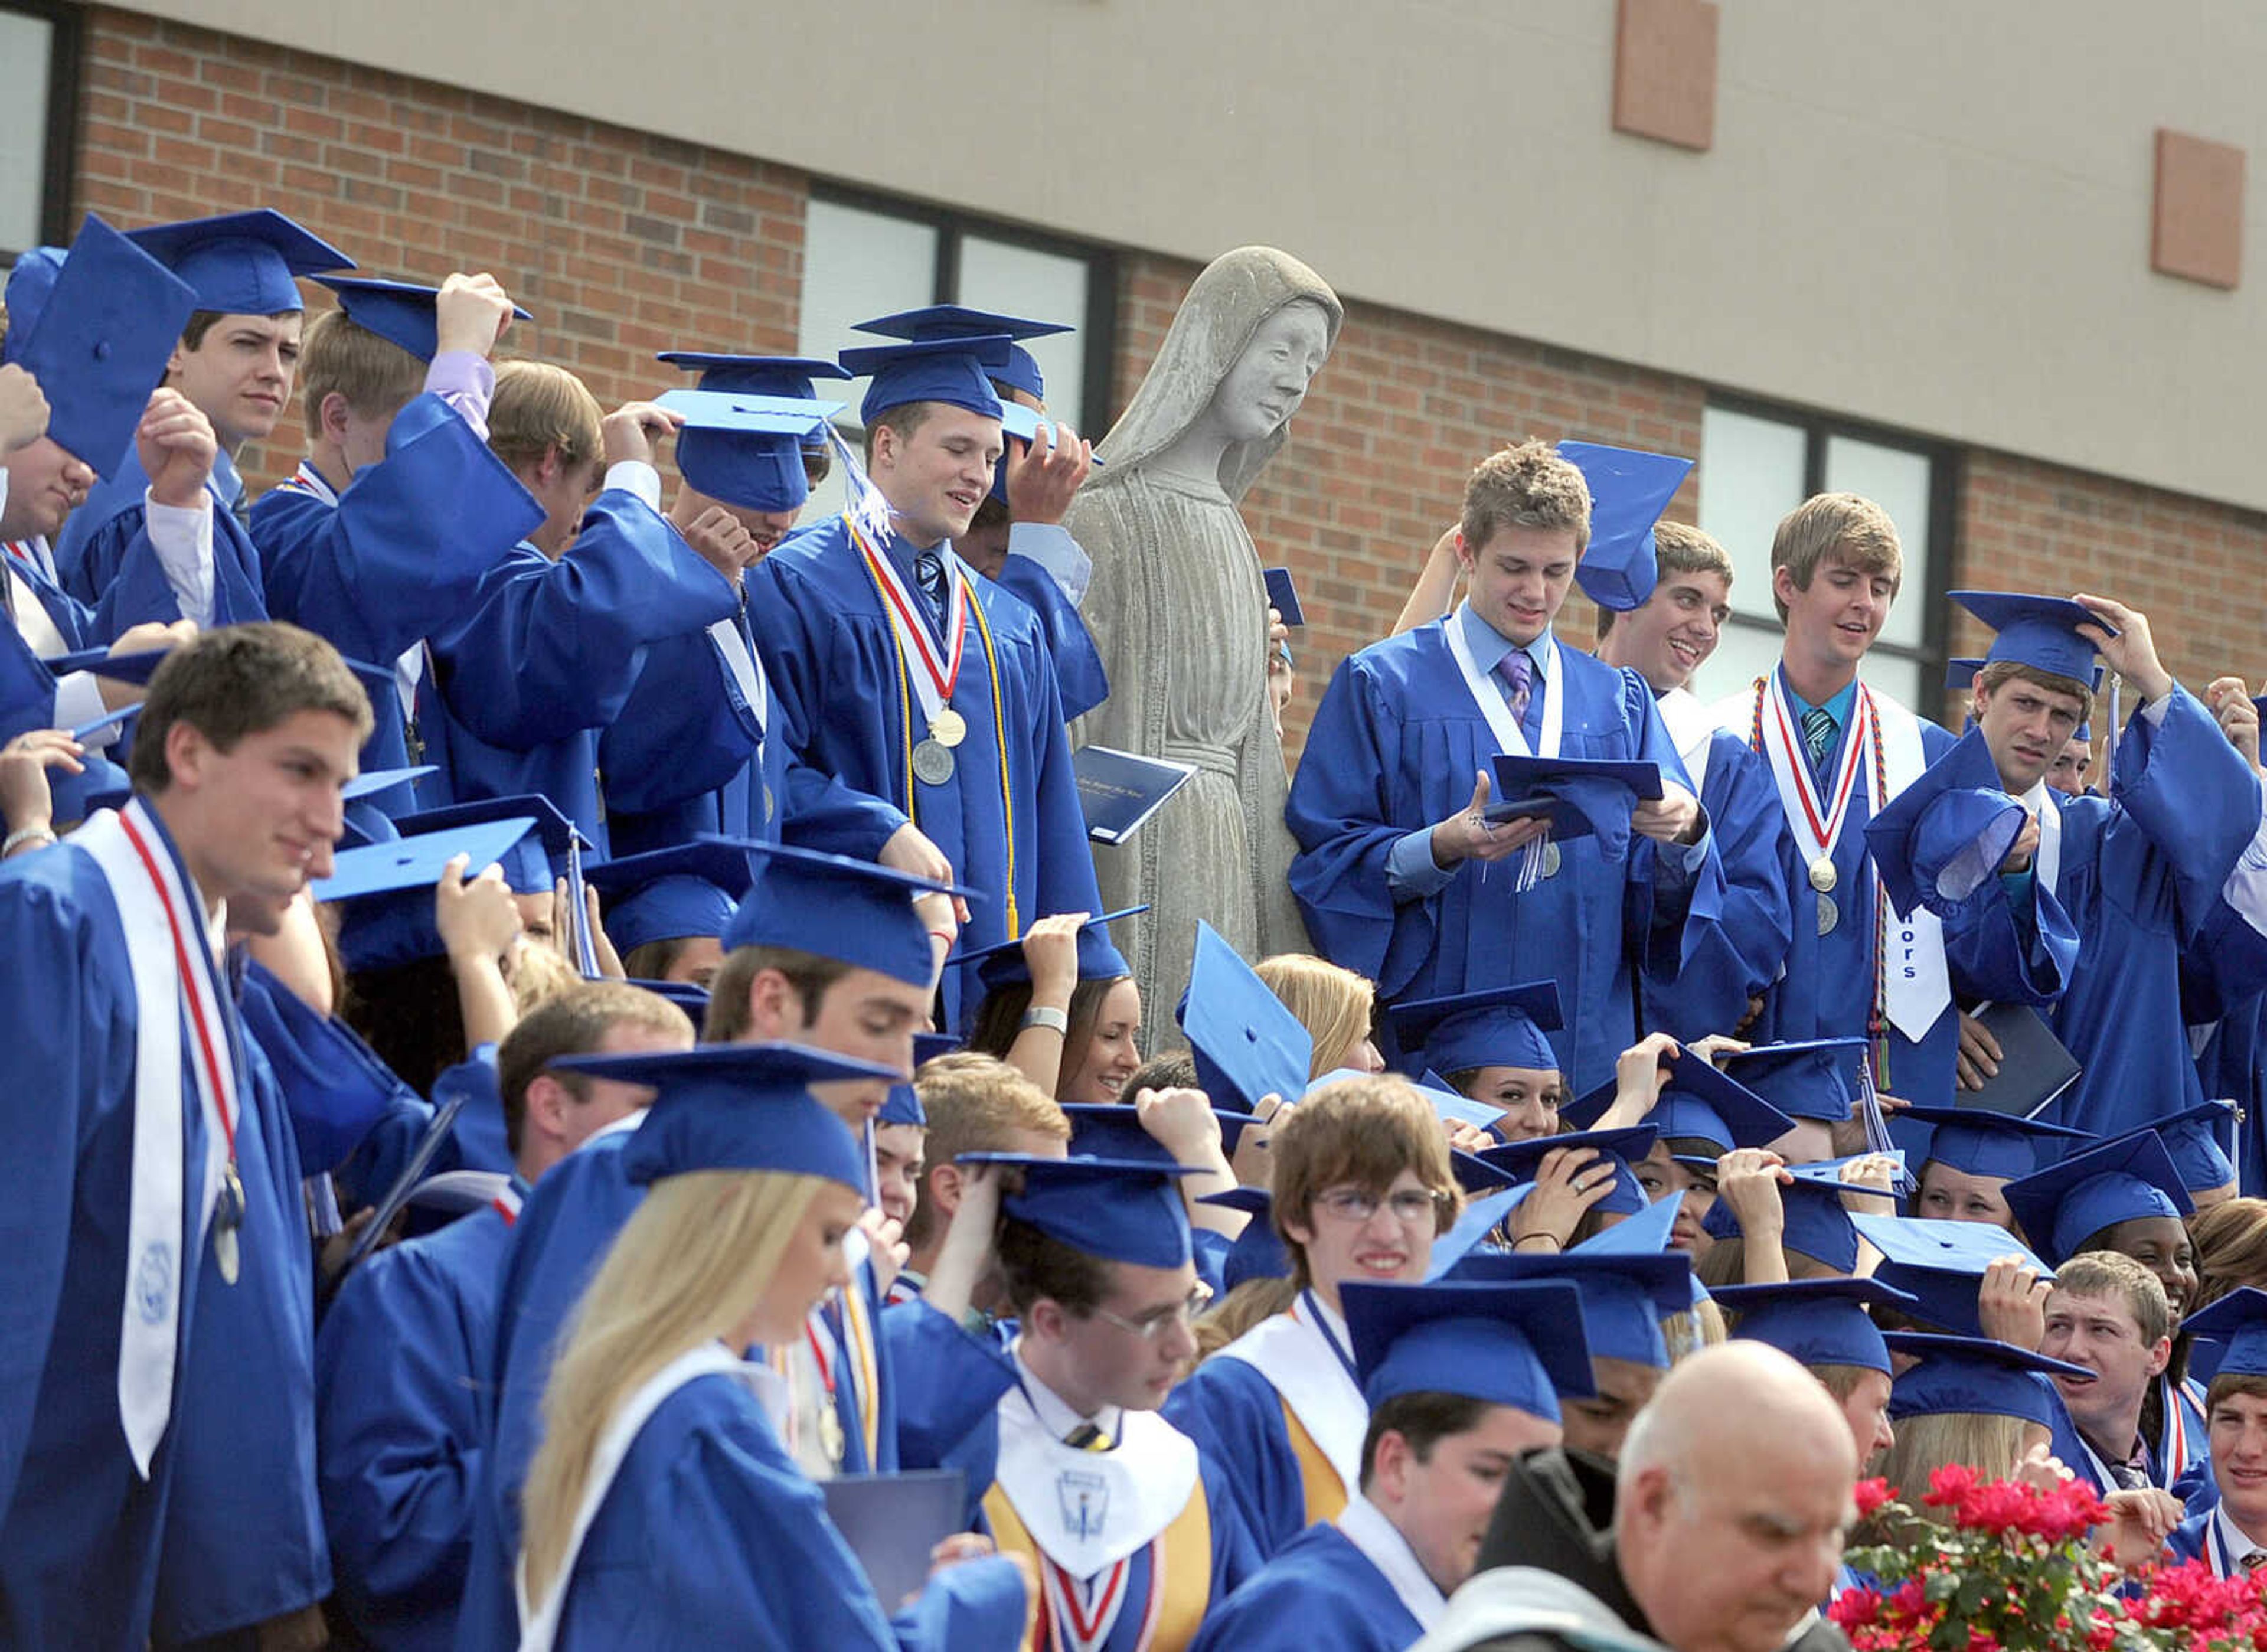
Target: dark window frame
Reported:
[(59, 162), (1097, 328)]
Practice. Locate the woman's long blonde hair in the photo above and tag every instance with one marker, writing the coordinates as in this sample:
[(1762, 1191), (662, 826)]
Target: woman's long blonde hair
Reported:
[(1990, 1443), (687, 1268), (1333, 1004)]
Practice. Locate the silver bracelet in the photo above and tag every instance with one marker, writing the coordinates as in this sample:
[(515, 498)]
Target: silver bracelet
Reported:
[(1047, 1015), (24, 834)]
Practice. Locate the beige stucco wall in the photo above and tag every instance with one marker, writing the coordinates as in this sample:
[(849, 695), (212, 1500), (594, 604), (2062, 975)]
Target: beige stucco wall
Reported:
[(1930, 212)]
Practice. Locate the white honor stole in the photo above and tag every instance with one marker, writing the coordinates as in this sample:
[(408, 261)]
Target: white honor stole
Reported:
[(1690, 729), (747, 671), (540, 1622), (1090, 1512), (1296, 1355), (1487, 695), (1384, 1547), (177, 981)]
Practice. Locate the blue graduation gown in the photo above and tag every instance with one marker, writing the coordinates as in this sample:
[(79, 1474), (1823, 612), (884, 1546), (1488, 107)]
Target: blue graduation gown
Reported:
[(335, 1090), (1393, 748), (244, 1537), (104, 557), (1235, 1416), (548, 654), (403, 1430), (1319, 1594), (2139, 874), (79, 1529), (710, 1535), (27, 688), (832, 661)]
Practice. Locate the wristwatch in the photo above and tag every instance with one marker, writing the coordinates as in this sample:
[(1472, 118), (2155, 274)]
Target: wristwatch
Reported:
[(1047, 1015)]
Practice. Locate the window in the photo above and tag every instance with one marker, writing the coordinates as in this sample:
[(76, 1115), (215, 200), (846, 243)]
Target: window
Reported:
[(39, 77), (1759, 463), (864, 257)]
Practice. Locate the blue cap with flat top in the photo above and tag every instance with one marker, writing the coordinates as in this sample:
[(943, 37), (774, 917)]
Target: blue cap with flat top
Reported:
[(2192, 1137), (1120, 1210), (1959, 1375), (690, 889), (736, 1107), (1816, 1224), (1702, 1104), (1107, 1130), (2230, 1336), (1808, 1078), (1021, 372), (1500, 1026), (1628, 489), (792, 376), (2067, 1203), (1978, 1141), (1578, 795), (903, 1106), (97, 339), (1257, 1252), (2040, 632), (1616, 1148), (1004, 964), (1937, 841), (1247, 1045), (1941, 1265), (385, 890), (834, 906), (928, 1046), (1624, 1296), (30, 281), (534, 862), (242, 263), (1520, 1345), (1468, 1235), (1815, 1321), (952, 370), (938, 322), (401, 313), (1960, 674), (747, 450)]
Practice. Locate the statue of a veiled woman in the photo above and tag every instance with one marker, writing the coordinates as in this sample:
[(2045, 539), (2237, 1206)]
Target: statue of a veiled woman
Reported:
[(1178, 610)]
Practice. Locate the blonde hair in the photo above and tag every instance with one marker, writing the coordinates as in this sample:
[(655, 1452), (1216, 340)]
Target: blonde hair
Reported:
[(1702, 1326), (538, 408), (686, 1269), (2230, 1248), (340, 356), (1854, 532), (1333, 1004), (1525, 487), (540, 972), (1986, 1441)]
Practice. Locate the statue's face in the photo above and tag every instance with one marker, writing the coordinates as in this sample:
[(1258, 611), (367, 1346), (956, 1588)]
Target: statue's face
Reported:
[(1270, 379)]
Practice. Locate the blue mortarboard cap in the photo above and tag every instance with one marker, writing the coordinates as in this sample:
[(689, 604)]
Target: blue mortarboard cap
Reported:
[(1936, 841), (400, 311), (136, 667), (1808, 1078), (1941, 1265), (1815, 1321), (1523, 1159), (1580, 794), (98, 341), (850, 910), (690, 888), (928, 1046), (1022, 423), (373, 780), (691, 998), (1701, 1103), (934, 322), (2040, 632), (1004, 964), (2230, 1336), (1974, 1374), (1628, 489), (1450, 1105), (1518, 1345), (1022, 373), (1122, 1210), (1624, 1296), (903, 1106), (1481, 1217), (1817, 1225), (736, 1107), (1257, 1252), (951, 371), (788, 375), (385, 890), (535, 861), (2191, 1136), (1105, 1130), (1647, 1233), (1475, 1175), (1960, 674), (30, 281), (746, 449), (1247, 1045), (1978, 1141), (241, 263), (2068, 1202), (1502, 1026)]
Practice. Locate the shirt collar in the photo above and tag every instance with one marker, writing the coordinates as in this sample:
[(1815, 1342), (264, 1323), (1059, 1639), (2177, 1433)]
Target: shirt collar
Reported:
[(1382, 1543), (227, 486), (1055, 1414), (1837, 707), (2237, 1540), (1489, 645)]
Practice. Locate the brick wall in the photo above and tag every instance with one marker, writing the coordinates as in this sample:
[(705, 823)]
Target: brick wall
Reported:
[(623, 244)]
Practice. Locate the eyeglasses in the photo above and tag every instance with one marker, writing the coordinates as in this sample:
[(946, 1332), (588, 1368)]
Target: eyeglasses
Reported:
[(1410, 1205), (1152, 1326)]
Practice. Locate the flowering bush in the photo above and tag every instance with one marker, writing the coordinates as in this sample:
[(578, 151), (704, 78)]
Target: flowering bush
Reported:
[(2011, 1568)]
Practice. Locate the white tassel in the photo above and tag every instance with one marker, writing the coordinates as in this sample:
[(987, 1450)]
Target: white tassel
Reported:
[(869, 510), (1530, 864)]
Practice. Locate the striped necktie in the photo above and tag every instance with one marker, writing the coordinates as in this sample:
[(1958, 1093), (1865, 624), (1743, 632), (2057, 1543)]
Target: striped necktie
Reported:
[(1087, 1437), (1817, 733)]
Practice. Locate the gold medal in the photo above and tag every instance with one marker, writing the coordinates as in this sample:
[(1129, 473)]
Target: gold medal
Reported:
[(1829, 913), (1823, 877), (948, 728)]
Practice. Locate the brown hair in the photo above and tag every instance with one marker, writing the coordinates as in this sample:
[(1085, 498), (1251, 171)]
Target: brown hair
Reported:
[(1854, 532), (906, 418), (1036, 1265), (1335, 1005), (573, 1022), (1525, 487), (538, 408), (238, 680), (2230, 1248), (1678, 547), (975, 1104), (339, 355), (1175, 1069), (2115, 1274), (807, 973), (1424, 1420), (1000, 1018), (2227, 1383), (1362, 1132), (1999, 673)]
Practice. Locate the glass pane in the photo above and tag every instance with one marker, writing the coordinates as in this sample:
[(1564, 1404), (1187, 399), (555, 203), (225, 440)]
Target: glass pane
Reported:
[(857, 265), (1899, 481), (1905, 680), (1752, 473), (25, 44), (1012, 279), (1744, 651)]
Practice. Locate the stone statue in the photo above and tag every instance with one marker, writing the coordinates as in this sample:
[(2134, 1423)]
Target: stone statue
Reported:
[(1178, 610)]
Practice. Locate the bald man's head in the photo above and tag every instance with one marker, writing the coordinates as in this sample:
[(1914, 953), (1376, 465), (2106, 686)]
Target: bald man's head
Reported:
[(1732, 1497)]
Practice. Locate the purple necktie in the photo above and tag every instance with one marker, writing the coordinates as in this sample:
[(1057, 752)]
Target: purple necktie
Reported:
[(1518, 674)]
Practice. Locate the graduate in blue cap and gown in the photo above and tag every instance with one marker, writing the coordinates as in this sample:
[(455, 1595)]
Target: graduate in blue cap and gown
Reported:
[(1967, 1156), (1078, 1034), (667, 1508), (1386, 812), (666, 910), (238, 373), (896, 671), (1976, 1378), (1197, 1141), (2139, 873), (694, 748), (2232, 1344), (851, 1413), (1810, 1082), (1823, 1325), (1133, 1530), (398, 1363), (1489, 1045), (163, 1138), (1460, 1378)]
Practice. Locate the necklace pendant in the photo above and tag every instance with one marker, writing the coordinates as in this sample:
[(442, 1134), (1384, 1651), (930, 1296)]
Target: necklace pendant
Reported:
[(1822, 875), (1829, 915), (948, 728), (831, 1440)]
